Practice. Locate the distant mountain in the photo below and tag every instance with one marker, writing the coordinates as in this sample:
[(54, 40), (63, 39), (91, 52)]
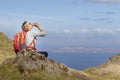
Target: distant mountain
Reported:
[(84, 50)]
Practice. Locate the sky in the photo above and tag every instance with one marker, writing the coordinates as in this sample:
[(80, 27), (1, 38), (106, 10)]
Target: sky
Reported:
[(68, 23)]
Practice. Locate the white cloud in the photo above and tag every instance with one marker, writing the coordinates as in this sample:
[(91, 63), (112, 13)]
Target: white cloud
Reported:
[(107, 31), (67, 31), (117, 29), (106, 1), (84, 30), (94, 30)]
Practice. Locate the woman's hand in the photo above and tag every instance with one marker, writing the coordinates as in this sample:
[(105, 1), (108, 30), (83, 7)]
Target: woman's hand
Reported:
[(36, 25), (39, 27)]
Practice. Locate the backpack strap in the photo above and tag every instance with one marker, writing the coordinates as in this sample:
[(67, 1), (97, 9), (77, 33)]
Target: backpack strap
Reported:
[(33, 43), (23, 38), (20, 40), (16, 41)]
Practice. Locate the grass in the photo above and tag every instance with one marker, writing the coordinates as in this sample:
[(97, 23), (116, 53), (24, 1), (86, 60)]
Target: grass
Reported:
[(96, 74), (11, 72), (6, 47)]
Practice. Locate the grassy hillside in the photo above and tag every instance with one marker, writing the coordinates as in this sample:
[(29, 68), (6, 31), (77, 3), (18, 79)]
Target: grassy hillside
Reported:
[(110, 70), (11, 72), (6, 47), (33, 67), (46, 69)]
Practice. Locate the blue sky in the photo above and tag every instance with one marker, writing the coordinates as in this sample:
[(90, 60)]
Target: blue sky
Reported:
[(68, 23)]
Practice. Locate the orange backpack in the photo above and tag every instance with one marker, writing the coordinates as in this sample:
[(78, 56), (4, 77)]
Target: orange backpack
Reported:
[(20, 39)]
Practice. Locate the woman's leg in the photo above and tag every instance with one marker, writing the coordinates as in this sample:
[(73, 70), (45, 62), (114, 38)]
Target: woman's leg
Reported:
[(44, 53)]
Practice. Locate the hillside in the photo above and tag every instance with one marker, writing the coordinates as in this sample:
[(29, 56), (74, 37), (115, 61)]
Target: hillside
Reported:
[(32, 66), (110, 70), (6, 47)]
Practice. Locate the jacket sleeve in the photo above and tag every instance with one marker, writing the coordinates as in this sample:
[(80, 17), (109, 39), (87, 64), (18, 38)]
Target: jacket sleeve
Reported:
[(38, 34)]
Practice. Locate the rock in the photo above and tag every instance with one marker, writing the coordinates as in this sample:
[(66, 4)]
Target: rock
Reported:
[(33, 61), (115, 59)]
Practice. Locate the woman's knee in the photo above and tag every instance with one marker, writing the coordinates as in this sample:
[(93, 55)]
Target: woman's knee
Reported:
[(44, 53)]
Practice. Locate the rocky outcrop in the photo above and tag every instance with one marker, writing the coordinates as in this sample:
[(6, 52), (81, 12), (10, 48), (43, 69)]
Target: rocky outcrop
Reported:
[(30, 65), (33, 61), (114, 59)]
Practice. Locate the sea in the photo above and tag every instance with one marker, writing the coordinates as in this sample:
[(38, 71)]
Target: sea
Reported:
[(81, 61)]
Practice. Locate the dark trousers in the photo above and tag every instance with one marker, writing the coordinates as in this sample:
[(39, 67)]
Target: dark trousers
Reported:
[(44, 53)]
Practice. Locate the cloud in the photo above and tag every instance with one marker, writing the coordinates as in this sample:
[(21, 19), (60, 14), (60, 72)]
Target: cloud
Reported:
[(110, 12), (117, 29), (104, 19), (84, 30), (105, 31), (67, 31), (97, 30), (84, 18), (106, 1), (92, 31)]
